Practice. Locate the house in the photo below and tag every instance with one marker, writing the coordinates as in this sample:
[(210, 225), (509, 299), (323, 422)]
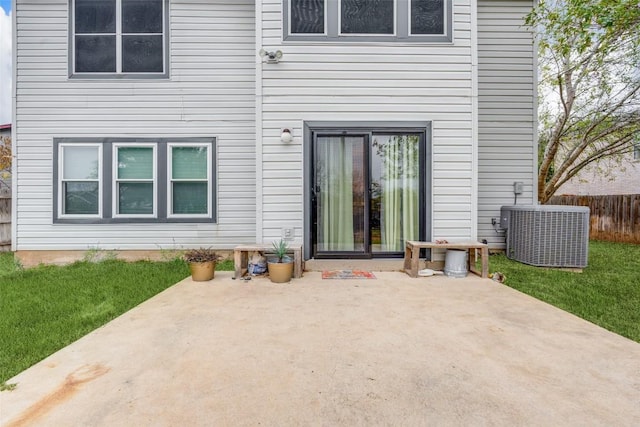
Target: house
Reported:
[(5, 131), (609, 177), (343, 125)]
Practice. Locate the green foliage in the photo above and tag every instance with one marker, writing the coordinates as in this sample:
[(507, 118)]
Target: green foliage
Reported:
[(7, 387), (280, 249), (8, 264), (5, 153), (225, 265), (605, 293), (589, 84), (6, 158), (577, 25)]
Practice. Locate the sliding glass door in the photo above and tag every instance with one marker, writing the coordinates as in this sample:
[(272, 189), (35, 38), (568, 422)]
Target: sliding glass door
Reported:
[(340, 171), (395, 189), (367, 193)]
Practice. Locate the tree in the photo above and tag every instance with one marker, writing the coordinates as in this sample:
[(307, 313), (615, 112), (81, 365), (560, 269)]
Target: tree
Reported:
[(589, 89), (5, 161)]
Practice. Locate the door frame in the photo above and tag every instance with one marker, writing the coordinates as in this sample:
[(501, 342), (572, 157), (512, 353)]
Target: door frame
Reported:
[(365, 127), (366, 238)]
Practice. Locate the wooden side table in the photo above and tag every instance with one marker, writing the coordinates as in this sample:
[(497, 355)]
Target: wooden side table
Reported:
[(412, 255), (241, 258)]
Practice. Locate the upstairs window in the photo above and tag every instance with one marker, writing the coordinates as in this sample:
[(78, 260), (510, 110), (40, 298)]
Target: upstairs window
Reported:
[(119, 37), (367, 17), (427, 17), (368, 20), (307, 16)]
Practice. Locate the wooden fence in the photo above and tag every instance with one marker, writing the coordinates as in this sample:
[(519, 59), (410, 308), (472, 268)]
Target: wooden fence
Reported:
[(614, 218), (5, 222)]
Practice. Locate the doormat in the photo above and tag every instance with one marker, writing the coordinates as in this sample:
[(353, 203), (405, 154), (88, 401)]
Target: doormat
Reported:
[(347, 274)]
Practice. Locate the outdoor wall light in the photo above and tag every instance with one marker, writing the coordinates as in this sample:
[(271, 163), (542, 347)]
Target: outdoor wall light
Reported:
[(286, 136), (270, 57)]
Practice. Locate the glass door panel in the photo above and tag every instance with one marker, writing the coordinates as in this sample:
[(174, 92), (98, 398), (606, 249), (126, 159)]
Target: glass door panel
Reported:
[(340, 173), (395, 191)]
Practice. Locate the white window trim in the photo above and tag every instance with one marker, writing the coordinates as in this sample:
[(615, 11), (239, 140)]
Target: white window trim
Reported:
[(114, 188), (395, 24), (118, 35), (61, 180), (170, 180)]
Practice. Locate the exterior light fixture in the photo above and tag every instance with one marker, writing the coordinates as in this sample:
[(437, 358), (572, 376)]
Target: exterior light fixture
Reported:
[(270, 57), (286, 136)]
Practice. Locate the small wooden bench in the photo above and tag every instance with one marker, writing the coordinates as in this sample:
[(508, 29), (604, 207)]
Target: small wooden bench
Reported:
[(241, 258), (412, 255)]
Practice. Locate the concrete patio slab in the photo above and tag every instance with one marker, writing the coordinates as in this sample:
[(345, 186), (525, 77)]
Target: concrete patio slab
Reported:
[(390, 351)]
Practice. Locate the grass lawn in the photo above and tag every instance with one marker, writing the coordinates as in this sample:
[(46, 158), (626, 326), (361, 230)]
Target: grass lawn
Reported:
[(46, 308), (606, 293)]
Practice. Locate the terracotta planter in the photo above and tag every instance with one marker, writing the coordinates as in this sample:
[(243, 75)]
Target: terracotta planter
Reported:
[(202, 271), (280, 272)]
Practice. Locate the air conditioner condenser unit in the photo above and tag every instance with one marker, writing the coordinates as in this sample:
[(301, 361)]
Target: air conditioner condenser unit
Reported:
[(547, 235)]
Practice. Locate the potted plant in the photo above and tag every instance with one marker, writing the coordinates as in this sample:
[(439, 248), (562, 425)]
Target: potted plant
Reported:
[(202, 263), (280, 266)]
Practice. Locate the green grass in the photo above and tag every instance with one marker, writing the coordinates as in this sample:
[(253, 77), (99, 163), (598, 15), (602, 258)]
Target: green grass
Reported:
[(46, 308), (226, 265), (606, 293), (7, 264)]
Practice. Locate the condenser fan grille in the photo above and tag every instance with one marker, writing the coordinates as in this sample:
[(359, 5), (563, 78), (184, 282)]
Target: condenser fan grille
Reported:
[(547, 235)]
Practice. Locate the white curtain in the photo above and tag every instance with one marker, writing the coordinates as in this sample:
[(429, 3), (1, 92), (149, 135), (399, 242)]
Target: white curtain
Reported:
[(399, 198), (334, 174)]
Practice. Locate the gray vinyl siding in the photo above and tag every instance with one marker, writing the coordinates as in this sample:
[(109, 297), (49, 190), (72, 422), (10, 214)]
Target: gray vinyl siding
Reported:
[(506, 105), (210, 93), (365, 82)]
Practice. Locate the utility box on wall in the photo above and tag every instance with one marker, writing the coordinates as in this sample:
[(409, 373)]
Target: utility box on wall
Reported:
[(547, 235)]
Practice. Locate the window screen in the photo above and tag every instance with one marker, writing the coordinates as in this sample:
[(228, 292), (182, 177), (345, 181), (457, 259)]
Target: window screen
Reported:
[(363, 21), (427, 16), (95, 16), (119, 36), (141, 16), (307, 16), (367, 17)]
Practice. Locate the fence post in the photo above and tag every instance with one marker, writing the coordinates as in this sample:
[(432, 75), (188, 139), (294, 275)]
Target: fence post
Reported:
[(5, 222)]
